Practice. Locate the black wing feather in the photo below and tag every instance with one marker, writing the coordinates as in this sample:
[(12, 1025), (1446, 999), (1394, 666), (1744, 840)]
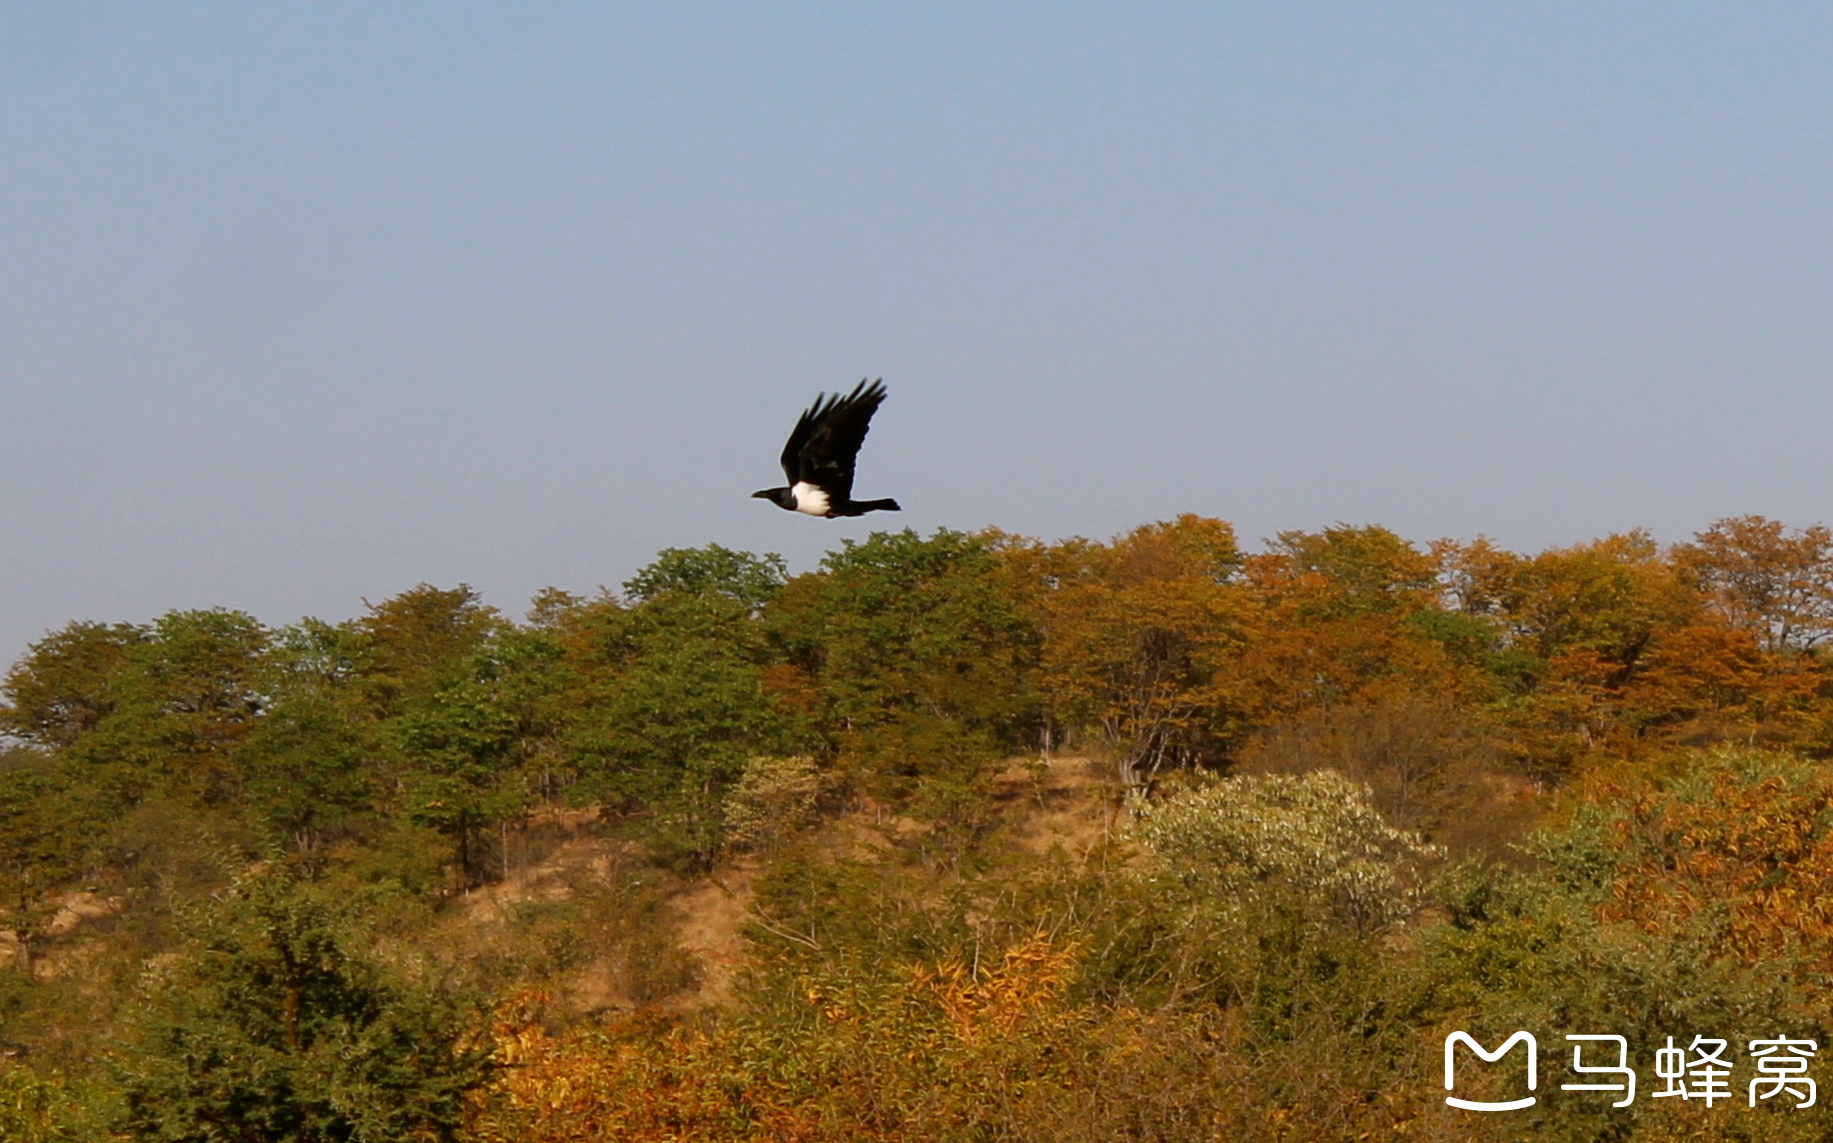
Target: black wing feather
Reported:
[(826, 440), (805, 426)]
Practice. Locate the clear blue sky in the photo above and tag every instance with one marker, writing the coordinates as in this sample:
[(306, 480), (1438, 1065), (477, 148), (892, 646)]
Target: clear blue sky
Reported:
[(302, 303)]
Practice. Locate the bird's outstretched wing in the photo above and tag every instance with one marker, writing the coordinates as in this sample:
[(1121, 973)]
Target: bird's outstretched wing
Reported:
[(826, 439)]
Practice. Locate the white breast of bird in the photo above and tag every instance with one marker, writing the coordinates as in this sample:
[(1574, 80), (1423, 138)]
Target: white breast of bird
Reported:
[(809, 498)]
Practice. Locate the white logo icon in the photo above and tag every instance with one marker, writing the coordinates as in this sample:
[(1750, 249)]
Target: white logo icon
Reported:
[(1533, 1063)]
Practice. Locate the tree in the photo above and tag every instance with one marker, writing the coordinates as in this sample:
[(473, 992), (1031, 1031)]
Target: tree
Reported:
[(710, 571), (305, 768), (679, 706), (1423, 756), (413, 640), (1347, 617), (1139, 636), (460, 747), (899, 622), (925, 665), (1580, 627), (1766, 579), (61, 689), (36, 1109), (1367, 568), (187, 695), (772, 798), (313, 657), (1742, 836), (272, 1030), (1709, 676), (43, 837), (1603, 602), (1692, 897), (468, 699)]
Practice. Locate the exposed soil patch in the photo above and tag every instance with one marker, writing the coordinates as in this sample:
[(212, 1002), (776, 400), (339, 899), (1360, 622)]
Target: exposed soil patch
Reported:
[(1062, 801), (694, 950), (711, 917)]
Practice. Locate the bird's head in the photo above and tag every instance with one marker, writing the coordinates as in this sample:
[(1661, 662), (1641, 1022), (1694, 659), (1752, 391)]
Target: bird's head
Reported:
[(781, 497)]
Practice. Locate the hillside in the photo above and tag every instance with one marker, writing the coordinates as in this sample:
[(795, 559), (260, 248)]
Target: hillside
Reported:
[(957, 837)]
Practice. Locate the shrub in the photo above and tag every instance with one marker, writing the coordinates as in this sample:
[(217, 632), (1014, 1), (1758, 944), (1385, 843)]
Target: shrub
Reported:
[(1317, 833), (773, 797), (272, 1031)]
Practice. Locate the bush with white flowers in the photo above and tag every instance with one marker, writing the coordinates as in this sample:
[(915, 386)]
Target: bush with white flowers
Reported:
[(773, 798), (1315, 834)]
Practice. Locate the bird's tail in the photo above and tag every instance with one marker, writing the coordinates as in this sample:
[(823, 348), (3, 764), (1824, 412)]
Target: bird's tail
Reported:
[(886, 505)]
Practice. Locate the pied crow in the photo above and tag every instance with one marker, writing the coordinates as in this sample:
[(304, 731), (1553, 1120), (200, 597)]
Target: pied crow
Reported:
[(818, 460)]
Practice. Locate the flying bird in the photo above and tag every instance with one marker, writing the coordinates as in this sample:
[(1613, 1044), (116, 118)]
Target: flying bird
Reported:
[(818, 460)]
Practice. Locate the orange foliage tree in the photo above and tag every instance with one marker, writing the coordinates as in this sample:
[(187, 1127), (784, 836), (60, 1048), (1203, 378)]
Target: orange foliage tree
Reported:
[(1347, 613), (1766, 579), (1139, 637)]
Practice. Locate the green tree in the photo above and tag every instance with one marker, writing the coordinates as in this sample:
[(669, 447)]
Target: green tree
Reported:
[(710, 571), (37, 1109), (272, 1030), (317, 658), (925, 662), (62, 688), (305, 768), (673, 727), (900, 622), (43, 838), (459, 744), (188, 694), (464, 750)]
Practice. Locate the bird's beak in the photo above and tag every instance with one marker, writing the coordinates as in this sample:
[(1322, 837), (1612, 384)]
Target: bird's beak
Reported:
[(764, 495)]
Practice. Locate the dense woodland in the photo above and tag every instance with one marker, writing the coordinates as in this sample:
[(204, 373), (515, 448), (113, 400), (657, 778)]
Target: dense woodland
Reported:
[(1342, 795)]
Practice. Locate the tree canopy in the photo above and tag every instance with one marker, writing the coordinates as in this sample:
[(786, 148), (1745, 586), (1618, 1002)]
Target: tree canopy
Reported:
[(1333, 795)]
